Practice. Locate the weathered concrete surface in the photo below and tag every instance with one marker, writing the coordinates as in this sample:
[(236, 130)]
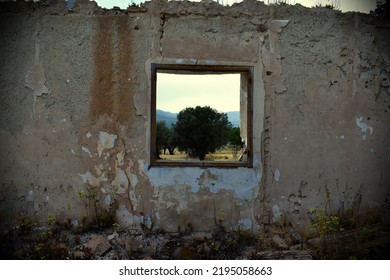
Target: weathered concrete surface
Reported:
[(328, 114), (75, 113)]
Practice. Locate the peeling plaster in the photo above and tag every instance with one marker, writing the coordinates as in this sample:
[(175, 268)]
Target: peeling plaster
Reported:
[(106, 141), (246, 224), (86, 150), (243, 181), (35, 80), (92, 180), (107, 200), (35, 77), (276, 212), (124, 216), (277, 175), (121, 182), (30, 195), (120, 157), (133, 180), (364, 127)]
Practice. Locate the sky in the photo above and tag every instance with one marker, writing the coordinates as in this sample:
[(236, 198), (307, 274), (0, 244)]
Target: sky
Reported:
[(345, 5), (178, 91)]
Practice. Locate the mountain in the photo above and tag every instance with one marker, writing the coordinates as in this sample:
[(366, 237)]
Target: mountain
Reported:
[(170, 118), (234, 118)]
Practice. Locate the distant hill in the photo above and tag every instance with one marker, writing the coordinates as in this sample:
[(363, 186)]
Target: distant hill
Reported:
[(170, 118), (234, 118)]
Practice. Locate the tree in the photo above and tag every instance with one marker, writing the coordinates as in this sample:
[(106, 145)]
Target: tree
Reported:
[(164, 138), (235, 141), (201, 130)]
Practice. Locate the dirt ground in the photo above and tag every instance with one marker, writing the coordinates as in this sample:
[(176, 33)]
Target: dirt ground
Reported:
[(114, 243)]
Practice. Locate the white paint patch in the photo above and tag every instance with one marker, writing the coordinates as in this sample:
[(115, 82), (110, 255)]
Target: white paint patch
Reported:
[(281, 22), (120, 157), (35, 80), (99, 169), (120, 182), (242, 181), (92, 180), (211, 62), (147, 221), (364, 127), (134, 199), (107, 200), (124, 217), (245, 224), (85, 150), (277, 175), (106, 141), (133, 180), (276, 212), (30, 195)]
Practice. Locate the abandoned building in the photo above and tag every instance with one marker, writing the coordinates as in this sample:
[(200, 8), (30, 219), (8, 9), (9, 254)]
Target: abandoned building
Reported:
[(77, 114)]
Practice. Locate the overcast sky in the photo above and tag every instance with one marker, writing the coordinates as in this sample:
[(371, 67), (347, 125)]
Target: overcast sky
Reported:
[(177, 92)]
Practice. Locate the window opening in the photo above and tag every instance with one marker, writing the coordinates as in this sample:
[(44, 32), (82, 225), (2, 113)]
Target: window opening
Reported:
[(201, 115)]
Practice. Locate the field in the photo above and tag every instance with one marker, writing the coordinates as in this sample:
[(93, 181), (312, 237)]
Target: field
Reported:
[(224, 154)]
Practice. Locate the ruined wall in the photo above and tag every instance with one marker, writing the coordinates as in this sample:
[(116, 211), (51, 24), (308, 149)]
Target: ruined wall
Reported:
[(75, 113), (328, 114)]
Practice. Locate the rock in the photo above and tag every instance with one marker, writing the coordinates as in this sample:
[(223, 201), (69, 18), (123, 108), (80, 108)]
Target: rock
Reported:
[(203, 249), (279, 242), (113, 236), (284, 255), (296, 237), (185, 253), (98, 245), (79, 255), (74, 224), (133, 245), (296, 247), (315, 241)]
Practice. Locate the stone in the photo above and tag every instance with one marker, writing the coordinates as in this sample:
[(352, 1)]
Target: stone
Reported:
[(284, 255), (78, 255), (112, 236), (185, 253), (98, 245), (279, 242), (296, 237), (133, 245)]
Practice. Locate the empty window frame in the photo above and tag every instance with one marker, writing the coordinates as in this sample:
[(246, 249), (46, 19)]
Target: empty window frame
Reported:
[(162, 94)]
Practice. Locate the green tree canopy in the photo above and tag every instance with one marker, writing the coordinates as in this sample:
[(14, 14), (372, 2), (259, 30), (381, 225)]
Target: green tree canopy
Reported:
[(235, 137), (164, 139), (201, 130)]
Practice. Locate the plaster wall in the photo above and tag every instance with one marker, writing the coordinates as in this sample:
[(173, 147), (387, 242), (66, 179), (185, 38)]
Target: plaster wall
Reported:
[(75, 113)]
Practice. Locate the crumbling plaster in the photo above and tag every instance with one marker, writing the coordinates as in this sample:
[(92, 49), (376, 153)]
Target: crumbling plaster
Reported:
[(75, 113)]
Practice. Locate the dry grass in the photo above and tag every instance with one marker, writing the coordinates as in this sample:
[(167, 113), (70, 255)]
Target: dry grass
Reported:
[(224, 154)]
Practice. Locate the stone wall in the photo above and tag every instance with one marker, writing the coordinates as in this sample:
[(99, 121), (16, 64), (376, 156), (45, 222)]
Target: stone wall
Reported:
[(75, 113)]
